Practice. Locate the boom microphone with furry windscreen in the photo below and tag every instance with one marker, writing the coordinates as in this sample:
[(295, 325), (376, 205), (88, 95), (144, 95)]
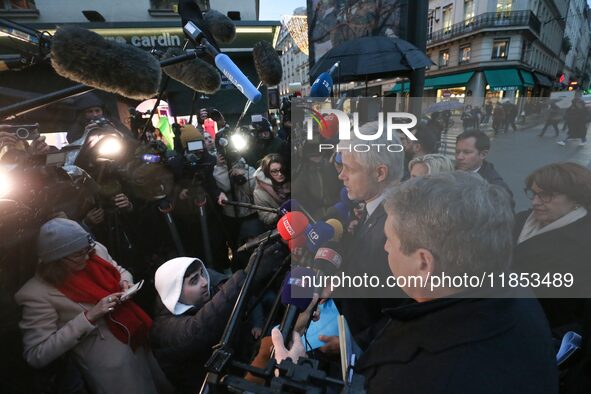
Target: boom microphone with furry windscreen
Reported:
[(85, 57), (220, 26), (195, 29), (190, 12), (196, 74), (267, 63)]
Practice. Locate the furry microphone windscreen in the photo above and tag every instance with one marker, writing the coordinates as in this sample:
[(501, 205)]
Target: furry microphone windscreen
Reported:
[(196, 74), (267, 63), (220, 26), (85, 57)]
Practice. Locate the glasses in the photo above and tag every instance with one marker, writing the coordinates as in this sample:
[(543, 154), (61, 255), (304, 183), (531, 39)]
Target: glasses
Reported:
[(275, 172), (85, 251), (545, 197)]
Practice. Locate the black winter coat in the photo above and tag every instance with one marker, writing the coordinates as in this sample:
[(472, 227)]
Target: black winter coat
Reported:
[(463, 346), (567, 249), (488, 173), (182, 344)]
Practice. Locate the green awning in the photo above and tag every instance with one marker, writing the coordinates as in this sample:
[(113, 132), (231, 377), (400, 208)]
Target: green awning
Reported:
[(543, 80), (403, 86), (448, 81), (528, 78), (443, 81), (506, 79)]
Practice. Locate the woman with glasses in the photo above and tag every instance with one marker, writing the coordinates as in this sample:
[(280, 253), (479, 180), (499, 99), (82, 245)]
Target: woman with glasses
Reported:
[(72, 306), (554, 236), (273, 186)]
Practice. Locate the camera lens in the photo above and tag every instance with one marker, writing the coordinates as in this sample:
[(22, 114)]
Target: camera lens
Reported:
[(22, 133)]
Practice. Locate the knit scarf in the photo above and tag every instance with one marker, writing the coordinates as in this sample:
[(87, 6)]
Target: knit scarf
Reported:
[(531, 228), (128, 322)]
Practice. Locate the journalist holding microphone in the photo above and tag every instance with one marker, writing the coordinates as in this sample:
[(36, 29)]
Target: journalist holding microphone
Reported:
[(72, 306)]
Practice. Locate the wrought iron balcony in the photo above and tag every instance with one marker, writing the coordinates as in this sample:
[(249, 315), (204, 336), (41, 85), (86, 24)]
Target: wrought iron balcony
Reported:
[(520, 19)]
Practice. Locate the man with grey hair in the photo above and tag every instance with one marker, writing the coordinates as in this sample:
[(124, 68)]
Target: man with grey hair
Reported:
[(454, 340), (366, 176)]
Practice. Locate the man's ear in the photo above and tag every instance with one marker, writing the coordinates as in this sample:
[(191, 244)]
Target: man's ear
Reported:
[(381, 172), (484, 153), (426, 262)]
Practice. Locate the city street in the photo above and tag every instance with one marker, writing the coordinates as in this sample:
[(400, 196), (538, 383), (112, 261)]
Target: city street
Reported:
[(516, 154)]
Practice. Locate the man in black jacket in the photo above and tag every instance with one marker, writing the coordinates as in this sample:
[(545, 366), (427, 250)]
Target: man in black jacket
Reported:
[(471, 150), (458, 339)]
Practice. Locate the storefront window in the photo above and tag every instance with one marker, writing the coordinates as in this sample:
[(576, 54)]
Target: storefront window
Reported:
[(457, 93), (500, 49), (465, 54)]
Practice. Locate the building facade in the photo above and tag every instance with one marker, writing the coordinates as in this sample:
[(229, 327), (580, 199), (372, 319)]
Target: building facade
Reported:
[(577, 40), (499, 49), (294, 62), (69, 11)]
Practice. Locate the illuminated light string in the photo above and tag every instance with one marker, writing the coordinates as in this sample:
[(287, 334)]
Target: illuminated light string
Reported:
[(297, 25)]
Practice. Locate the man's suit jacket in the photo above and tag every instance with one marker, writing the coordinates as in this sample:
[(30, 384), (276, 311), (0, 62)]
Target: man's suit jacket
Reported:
[(488, 172), (365, 254)]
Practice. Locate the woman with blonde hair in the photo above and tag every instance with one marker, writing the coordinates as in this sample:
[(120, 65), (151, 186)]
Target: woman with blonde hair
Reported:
[(430, 164)]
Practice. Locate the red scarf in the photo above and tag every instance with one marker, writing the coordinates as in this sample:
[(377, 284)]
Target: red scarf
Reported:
[(96, 281)]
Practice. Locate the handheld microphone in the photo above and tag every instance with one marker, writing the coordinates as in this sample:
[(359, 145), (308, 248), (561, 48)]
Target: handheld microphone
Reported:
[(289, 226), (296, 296), (195, 74), (85, 57), (339, 211), (267, 63), (327, 260), (322, 86), (294, 205), (337, 227), (285, 207), (318, 234), (223, 62), (238, 79)]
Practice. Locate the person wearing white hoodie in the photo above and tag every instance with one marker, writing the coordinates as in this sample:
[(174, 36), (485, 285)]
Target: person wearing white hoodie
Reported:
[(192, 310)]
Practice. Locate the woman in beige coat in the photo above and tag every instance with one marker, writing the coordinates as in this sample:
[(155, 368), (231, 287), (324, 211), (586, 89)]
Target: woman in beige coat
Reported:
[(273, 186), (73, 305)]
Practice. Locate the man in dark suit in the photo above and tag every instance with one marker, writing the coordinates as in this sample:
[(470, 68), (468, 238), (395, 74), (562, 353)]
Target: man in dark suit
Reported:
[(471, 150), (455, 338), (366, 176)]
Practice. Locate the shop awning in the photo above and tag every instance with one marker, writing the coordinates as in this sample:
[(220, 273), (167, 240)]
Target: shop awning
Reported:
[(543, 80), (505, 79), (528, 78), (448, 81), (400, 87), (443, 81)]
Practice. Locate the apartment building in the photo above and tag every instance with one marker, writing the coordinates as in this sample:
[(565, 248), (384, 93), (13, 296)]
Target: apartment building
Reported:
[(497, 49)]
